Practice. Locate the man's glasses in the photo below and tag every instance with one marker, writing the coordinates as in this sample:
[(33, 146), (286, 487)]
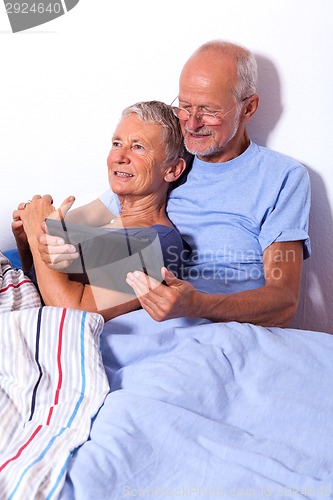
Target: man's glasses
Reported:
[(212, 118)]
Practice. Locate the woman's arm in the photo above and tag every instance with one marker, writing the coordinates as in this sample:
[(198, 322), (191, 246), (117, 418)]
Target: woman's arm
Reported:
[(92, 214), (55, 287)]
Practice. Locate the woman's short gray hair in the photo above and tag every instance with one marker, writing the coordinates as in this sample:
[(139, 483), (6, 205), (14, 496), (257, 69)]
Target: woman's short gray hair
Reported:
[(160, 113)]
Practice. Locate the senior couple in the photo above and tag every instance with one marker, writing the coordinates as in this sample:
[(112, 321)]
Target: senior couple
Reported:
[(242, 209)]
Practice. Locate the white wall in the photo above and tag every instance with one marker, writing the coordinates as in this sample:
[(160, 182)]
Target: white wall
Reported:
[(64, 84)]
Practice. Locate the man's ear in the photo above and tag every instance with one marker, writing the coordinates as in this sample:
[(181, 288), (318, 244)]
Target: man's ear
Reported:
[(175, 171), (251, 106)]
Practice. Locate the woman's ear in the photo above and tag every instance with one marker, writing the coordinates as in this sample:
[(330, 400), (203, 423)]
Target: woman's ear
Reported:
[(175, 171)]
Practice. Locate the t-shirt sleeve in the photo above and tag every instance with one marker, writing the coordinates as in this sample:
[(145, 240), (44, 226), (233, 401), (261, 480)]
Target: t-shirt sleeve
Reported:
[(111, 201), (175, 250), (288, 219)]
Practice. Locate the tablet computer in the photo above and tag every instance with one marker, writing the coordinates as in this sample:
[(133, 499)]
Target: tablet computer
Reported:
[(107, 254)]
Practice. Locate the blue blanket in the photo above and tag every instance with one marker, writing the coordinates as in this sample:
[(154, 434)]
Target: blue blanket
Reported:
[(206, 410)]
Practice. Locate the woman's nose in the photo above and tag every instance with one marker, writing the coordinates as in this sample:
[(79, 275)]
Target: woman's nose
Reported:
[(118, 156)]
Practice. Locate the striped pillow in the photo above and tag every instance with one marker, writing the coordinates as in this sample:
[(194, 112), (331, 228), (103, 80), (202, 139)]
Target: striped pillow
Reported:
[(16, 290), (52, 384)]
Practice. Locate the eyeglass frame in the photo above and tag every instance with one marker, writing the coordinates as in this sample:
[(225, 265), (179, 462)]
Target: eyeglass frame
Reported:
[(199, 115)]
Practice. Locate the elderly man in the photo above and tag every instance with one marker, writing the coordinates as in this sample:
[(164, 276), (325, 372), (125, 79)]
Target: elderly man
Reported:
[(242, 208)]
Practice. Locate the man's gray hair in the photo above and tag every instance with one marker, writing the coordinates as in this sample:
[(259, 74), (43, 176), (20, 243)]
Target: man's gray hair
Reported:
[(245, 62), (160, 113)]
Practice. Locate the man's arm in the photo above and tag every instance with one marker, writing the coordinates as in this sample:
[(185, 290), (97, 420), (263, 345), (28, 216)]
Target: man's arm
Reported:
[(271, 305)]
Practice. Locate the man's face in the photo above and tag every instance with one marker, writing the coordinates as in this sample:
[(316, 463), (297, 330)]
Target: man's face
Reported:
[(206, 87)]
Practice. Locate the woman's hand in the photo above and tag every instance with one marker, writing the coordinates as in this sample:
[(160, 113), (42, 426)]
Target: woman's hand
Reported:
[(28, 222), (17, 226), (54, 251), (31, 214), (20, 235)]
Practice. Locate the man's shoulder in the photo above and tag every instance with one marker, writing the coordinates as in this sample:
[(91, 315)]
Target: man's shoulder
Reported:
[(277, 158)]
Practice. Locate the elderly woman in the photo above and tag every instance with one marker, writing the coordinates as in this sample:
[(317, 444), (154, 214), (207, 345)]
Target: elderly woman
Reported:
[(146, 157)]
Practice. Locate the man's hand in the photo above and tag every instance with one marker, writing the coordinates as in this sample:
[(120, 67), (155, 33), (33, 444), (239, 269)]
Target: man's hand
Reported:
[(173, 300)]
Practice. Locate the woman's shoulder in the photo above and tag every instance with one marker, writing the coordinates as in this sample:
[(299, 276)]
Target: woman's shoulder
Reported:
[(170, 237)]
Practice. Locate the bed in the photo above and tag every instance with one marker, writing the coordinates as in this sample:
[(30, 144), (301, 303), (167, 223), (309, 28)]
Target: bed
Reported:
[(181, 408)]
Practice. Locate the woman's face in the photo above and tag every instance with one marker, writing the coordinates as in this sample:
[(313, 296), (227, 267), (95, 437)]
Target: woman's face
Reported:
[(136, 160)]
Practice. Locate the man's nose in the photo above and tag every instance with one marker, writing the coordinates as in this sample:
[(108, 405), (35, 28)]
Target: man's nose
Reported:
[(194, 121)]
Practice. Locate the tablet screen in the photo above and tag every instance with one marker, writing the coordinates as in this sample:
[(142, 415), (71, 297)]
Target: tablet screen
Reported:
[(107, 254)]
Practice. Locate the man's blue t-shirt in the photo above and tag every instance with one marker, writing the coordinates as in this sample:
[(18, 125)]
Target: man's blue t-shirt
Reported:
[(230, 212)]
